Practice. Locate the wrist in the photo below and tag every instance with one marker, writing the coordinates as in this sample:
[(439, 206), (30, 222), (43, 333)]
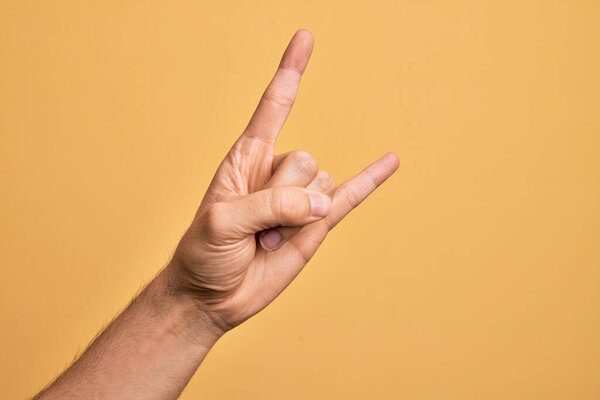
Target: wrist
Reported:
[(191, 318)]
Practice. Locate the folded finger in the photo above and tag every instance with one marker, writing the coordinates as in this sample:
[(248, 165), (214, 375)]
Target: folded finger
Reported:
[(274, 238), (295, 168)]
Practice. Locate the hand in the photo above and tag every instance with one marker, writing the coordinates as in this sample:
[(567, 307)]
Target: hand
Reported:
[(264, 215), (261, 220)]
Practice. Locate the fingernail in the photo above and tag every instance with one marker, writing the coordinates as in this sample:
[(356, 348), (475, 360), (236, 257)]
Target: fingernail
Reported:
[(270, 239), (319, 205)]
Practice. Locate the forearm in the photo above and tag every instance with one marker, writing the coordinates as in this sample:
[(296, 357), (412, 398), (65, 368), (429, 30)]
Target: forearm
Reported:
[(149, 352)]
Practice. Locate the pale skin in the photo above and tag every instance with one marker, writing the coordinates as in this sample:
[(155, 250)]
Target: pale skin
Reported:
[(261, 220)]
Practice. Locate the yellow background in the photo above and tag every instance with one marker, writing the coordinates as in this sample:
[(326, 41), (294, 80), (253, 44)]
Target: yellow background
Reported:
[(474, 273)]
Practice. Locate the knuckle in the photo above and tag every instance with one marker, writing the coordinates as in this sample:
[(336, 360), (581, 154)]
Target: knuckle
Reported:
[(212, 220), (277, 94), (326, 181), (276, 202), (352, 197), (284, 204), (305, 162)]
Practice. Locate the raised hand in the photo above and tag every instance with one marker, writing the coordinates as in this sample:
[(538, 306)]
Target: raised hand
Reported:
[(261, 220), (265, 215)]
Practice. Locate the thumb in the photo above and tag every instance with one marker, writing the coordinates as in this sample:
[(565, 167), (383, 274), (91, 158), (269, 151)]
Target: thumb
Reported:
[(268, 208)]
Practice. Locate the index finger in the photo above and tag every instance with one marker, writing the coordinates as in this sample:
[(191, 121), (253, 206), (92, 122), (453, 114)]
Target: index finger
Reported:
[(277, 100)]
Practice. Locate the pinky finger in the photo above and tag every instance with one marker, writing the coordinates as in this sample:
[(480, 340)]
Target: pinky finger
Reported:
[(354, 191), (346, 197)]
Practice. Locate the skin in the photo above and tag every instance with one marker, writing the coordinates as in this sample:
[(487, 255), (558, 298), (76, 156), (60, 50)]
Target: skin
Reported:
[(261, 220)]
